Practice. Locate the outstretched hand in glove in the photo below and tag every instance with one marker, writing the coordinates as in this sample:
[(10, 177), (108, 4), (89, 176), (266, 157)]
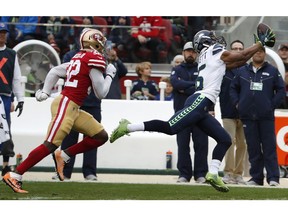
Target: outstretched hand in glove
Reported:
[(265, 35)]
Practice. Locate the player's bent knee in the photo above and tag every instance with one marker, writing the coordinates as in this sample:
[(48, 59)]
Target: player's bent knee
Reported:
[(51, 146), (102, 136), (227, 143)]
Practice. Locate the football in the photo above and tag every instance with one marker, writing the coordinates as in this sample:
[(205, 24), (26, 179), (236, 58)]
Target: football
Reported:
[(264, 30)]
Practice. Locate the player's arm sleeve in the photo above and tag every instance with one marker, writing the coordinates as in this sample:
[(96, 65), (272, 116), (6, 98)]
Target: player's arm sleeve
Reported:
[(100, 84), (53, 76), (16, 84)]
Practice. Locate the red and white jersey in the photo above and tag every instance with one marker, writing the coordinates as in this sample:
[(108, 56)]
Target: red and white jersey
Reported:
[(145, 23), (78, 81)]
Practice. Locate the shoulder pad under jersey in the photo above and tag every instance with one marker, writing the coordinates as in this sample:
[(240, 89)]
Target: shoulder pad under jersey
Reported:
[(96, 60)]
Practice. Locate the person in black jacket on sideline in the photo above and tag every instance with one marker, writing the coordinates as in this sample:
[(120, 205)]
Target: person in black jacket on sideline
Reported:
[(256, 92), (183, 79)]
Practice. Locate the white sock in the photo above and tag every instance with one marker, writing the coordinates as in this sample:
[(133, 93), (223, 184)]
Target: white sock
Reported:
[(214, 166), (135, 127), (16, 176), (65, 156)]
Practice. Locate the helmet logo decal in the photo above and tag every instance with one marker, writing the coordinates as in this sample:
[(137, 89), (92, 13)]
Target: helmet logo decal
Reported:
[(97, 37)]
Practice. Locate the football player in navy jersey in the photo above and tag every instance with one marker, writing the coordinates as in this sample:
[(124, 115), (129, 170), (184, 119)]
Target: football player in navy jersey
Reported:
[(213, 61), (85, 70)]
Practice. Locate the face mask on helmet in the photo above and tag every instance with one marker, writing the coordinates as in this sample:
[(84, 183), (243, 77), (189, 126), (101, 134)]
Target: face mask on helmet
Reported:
[(204, 39), (92, 39), (222, 41)]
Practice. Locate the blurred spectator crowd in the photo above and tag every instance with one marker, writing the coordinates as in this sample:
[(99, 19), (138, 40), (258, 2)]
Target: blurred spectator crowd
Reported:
[(136, 39)]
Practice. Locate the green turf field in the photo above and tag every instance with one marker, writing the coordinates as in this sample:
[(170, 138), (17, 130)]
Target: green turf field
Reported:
[(113, 191)]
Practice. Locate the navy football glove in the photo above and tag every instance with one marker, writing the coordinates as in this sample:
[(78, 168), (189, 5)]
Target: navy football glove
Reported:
[(20, 107)]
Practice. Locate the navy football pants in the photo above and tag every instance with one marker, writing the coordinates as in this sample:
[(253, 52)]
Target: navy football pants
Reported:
[(195, 112)]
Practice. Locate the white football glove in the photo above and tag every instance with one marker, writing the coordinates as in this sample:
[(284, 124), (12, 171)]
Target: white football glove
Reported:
[(111, 70), (41, 96)]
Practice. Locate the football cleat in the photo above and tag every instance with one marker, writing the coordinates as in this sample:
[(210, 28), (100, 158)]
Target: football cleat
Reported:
[(13, 183), (59, 164), (5, 170), (216, 182), (120, 131)]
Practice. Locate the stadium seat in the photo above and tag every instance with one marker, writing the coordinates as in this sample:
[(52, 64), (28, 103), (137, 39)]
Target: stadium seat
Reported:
[(102, 24), (168, 32), (145, 54), (77, 19)]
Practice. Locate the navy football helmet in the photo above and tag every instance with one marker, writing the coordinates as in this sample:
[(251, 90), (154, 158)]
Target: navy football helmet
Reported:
[(205, 38)]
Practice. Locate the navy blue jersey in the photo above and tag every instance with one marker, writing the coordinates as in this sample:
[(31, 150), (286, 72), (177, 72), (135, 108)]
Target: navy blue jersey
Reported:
[(7, 62), (140, 85)]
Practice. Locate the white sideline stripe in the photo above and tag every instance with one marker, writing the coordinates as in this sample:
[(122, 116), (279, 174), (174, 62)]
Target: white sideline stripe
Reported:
[(132, 179)]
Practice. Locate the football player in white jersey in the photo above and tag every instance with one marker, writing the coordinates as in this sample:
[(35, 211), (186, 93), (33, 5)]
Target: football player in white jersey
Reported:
[(213, 61)]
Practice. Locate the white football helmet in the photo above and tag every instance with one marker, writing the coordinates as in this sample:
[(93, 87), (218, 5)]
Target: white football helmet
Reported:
[(92, 39)]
